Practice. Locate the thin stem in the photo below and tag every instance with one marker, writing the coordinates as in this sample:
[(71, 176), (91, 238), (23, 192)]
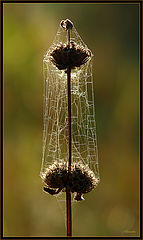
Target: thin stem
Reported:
[(69, 115), (68, 36), (68, 193), (69, 220)]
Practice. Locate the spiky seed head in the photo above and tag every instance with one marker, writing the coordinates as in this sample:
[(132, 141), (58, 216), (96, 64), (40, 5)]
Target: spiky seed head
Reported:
[(56, 175), (72, 56), (80, 179)]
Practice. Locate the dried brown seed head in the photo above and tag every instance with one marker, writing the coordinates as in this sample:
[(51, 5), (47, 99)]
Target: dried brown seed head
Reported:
[(56, 175), (72, 56), (66, 24), (80, 180)]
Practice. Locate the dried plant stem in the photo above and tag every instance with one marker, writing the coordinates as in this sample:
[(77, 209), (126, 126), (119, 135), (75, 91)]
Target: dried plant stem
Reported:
[(69, 115), (68, 193), (69, 222)]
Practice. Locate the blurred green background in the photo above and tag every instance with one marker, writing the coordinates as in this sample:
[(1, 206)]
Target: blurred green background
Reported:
[(111, 31)]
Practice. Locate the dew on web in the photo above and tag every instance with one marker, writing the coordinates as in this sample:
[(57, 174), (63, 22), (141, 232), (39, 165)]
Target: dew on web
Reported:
[(55, 112)]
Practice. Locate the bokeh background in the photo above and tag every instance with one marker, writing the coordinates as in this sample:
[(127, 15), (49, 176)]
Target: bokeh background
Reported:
[(111, 31)]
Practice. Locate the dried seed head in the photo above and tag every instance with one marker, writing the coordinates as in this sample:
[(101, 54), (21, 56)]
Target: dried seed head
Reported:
[(66, 24), (56, 175), (72, 56), (80, 179)]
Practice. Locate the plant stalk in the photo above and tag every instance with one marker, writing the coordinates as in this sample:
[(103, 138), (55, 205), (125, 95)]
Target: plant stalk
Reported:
[(68, 193)]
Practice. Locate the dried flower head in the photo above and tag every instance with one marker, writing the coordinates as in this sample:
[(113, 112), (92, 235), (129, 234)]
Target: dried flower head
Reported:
[(72, 56), (79, 180), (66, 24)]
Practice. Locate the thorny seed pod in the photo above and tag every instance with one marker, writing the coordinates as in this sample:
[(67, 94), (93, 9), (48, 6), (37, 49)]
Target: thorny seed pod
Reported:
[(80, 180)]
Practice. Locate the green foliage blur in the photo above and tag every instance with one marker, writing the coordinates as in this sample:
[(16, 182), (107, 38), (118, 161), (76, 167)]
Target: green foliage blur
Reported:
[(111, 31)]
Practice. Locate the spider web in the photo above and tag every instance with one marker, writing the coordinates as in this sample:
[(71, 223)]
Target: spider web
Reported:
[(55, 112)]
